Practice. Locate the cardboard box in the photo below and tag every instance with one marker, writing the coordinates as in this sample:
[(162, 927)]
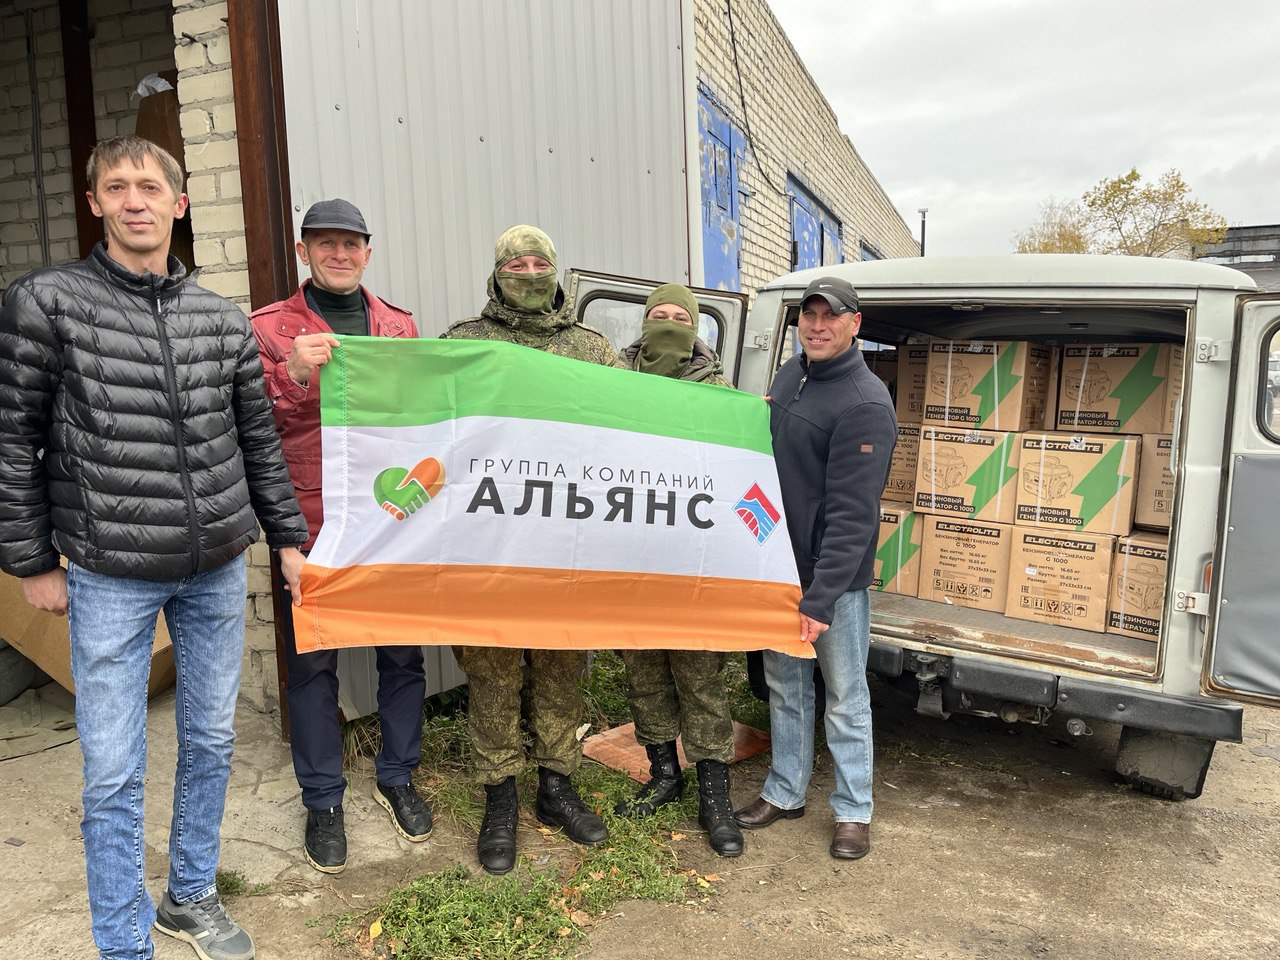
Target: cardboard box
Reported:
[(913, 375), (965, 562), (967, 473), (1060, 578), (1051, 393), (884, 364), (901, 484), (1141, 571), (1085, 483), (44, 639), (1120, 387), (897, 566), (987, 384), (1155, 482)]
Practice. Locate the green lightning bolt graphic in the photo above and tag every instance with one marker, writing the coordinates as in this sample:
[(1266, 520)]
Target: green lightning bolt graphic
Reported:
[(1140, 383), (996, 384), (1100, 484), (897, 551), (992, 474)]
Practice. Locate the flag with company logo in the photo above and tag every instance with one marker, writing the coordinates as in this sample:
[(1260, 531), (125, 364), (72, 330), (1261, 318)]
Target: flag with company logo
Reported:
[(484, 493)]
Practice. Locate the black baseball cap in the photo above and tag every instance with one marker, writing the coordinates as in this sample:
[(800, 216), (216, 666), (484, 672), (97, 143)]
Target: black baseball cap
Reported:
[(839, 294), (335, 215)]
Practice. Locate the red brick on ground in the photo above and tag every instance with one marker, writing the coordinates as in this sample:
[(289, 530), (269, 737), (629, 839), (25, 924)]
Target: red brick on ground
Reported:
[(617, 748)]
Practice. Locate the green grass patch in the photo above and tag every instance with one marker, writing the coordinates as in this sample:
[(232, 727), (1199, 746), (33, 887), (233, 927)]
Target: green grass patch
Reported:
[(542, 910), (743, 704), (232, 883), (604, 693)]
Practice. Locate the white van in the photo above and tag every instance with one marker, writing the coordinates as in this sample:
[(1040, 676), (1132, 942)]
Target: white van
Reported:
[(1220, 637)]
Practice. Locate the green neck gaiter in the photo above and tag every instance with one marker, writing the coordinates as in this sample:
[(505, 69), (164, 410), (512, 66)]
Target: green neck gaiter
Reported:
[(528, 292), (666, 347)]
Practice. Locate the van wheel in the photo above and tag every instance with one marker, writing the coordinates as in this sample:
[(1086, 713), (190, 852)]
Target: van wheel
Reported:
[(1166, 765)]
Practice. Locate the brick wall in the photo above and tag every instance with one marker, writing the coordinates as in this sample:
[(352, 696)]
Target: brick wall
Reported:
[(793, 131), (203, 54), (208, 116), (131, 38)]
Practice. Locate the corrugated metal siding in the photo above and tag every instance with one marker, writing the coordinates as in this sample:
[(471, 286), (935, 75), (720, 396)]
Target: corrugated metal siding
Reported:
[(447, 122)]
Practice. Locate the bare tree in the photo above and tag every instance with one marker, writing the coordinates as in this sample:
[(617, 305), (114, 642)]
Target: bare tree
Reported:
[(1062, 227)]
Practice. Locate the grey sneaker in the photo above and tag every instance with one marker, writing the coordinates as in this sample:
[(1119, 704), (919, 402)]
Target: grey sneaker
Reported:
[(206, 926)]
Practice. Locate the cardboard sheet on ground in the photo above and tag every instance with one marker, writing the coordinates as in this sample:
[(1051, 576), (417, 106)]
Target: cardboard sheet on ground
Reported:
[(488, 494)]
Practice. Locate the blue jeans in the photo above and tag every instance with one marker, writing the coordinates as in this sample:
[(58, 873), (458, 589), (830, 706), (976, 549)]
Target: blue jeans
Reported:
[(842, 655), (112, 623)]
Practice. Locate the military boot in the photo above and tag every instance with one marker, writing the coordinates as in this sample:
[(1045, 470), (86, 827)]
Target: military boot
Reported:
[(560, 806), (665, 785), (715, 813), (496, 846)]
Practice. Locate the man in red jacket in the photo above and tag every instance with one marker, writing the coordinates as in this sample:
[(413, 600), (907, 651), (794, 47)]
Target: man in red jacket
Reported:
[(296, 338)]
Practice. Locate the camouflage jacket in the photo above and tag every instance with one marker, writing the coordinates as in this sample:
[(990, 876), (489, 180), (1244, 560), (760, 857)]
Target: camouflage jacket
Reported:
[(556, 332), (703, 367)]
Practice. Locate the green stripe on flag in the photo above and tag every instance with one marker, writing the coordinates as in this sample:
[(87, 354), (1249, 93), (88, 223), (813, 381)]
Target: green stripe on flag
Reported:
[(386, 382)]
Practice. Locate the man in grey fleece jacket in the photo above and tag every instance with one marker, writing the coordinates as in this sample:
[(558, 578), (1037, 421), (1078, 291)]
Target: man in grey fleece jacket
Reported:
[(833, 431)]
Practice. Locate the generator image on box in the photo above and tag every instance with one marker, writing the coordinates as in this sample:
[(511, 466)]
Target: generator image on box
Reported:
[(1048, 480), (1086, 386), (944, 468), (1144, 586), (946, 382)]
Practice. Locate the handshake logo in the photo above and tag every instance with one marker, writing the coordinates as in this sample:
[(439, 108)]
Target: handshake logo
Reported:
[(400, 492)]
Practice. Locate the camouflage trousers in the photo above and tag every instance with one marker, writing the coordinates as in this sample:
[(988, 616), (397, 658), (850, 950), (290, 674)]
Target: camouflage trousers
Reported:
[(680, 692), (555, 709)]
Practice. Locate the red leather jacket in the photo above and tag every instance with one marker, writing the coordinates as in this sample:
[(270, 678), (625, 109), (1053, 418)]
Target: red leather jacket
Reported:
[(297, 407)]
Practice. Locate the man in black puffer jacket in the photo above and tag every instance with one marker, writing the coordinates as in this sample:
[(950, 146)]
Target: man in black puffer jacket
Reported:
[(136, 441)]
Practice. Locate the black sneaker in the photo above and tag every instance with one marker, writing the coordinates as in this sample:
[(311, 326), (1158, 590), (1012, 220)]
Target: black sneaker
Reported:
[(326, 840), (409, 812), (206, 926)]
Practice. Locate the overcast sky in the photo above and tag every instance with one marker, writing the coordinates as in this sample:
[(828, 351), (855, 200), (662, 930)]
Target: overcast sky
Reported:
[(980, 109)]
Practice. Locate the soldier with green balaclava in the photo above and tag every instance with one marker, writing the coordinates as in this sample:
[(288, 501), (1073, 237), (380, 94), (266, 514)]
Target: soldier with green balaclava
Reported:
[(527, 306), (680, 692)]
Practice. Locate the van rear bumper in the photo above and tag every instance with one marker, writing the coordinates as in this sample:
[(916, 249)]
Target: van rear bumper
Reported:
[(961, 679), (1127, 706)]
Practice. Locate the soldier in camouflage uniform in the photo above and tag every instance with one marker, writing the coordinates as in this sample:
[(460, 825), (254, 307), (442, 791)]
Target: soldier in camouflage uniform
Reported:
[(680, 692), (527, 306)]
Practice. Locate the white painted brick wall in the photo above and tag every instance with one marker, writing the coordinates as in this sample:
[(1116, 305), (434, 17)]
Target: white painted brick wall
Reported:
[(794, 131)]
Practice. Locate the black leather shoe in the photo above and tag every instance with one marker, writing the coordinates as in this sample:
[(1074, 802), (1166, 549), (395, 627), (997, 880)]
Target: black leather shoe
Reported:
[(761, 813), (560, 806), (409, 812), (665, 785), (325, 845), (715, 813), (496, 846)]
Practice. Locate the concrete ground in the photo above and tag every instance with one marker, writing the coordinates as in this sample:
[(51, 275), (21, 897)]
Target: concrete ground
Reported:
[(989, 841)]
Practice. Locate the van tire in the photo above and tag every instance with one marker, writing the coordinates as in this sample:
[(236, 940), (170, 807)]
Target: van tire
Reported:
[(1165, 765)]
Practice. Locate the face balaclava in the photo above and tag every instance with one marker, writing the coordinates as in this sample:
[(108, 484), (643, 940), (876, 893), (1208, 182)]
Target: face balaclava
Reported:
[(525, 292), (666, 346)]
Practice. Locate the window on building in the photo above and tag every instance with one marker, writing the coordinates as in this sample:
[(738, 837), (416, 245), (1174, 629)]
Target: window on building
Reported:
[(817, 238)]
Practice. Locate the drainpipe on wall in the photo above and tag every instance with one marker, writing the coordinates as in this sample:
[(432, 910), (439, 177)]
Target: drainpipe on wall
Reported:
[(37, 145)]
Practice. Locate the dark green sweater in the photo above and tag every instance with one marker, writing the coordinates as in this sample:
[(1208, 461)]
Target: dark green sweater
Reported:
[(345, 313)]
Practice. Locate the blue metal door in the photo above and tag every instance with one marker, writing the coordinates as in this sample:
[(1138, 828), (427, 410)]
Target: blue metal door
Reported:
[(720, 152)]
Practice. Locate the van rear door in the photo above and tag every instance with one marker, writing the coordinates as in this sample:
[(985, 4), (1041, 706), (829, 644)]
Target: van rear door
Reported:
[(1242, 660), (615, 306)]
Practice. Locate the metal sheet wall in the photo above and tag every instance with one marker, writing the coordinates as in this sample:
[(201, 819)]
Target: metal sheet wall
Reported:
[(447, 122)]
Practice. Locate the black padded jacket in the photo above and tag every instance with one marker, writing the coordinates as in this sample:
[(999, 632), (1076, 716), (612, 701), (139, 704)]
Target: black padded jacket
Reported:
[(135, 435), (833, 430)]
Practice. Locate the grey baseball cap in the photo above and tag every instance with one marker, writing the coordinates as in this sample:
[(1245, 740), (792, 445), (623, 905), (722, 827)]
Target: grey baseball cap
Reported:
[(335, 215), (839, 294)]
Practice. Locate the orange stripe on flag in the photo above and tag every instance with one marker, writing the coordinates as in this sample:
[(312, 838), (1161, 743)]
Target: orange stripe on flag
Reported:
[(538, 608)]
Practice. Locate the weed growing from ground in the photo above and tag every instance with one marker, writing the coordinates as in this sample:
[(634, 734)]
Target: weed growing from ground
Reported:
[(232, 883)]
